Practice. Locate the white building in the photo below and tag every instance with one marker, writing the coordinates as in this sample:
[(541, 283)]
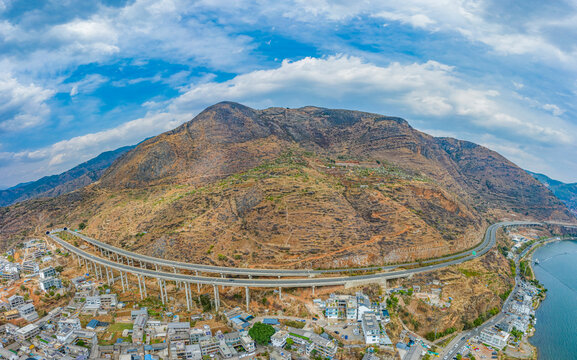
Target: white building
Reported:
[(16, 301), (371, 329), (27, 332), (28, 312), (92, 303), (278, 339), (193, 352), (50, 283), (47, 272), (494, 337), (73, 323)]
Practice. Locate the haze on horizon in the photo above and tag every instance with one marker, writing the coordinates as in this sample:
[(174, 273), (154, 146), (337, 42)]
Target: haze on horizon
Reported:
[(80, 78)]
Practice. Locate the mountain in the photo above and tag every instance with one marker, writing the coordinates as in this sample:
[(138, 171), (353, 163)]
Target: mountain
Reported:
[(307, 187), (75, 178), (565, 192)]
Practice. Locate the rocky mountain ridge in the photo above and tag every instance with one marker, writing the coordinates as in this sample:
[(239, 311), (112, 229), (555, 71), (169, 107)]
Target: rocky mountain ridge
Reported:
[(54, 185), (308, 187)]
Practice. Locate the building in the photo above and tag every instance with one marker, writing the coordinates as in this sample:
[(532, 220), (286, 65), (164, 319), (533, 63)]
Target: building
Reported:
[(30, 267), (192, 352), (341, 307), (47, 272), (371, 328), (278, 339), (72, 323), (178, 331), (324, 347), (138, 328), (27, 332), (16, 301), (108, 301), (12, 314), (89, 337), (28, 312), (135, 313), (50, 283), (494, 337), (92, 303)]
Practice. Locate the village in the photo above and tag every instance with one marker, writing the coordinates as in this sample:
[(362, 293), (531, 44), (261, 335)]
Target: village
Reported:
[(51, 310)]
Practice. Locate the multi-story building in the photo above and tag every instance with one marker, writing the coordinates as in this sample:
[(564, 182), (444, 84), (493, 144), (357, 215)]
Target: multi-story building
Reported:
[(27, 332), (278, 339), (12, 314), (28, 312), (178, 331), (341, 307), (108, 301), (371, 329), (135, 313), (325, 348), (209, 346), (193, 352), (30, 267), (9, 275), (50, 283), (494, 337), (16, 301), (47, 272), (72, 323), (92, 303), (138, 328)]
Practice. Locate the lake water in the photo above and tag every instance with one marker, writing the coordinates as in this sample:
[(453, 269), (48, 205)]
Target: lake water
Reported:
[(556, 328)]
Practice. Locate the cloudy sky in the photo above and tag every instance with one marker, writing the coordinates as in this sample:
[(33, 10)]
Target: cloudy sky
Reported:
[(81, 77)]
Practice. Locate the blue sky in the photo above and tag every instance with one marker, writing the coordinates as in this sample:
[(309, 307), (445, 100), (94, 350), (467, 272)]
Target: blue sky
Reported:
[(81, 77)]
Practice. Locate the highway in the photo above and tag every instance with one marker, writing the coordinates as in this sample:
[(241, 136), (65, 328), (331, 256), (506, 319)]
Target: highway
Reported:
[(484, 247), (481, 249)]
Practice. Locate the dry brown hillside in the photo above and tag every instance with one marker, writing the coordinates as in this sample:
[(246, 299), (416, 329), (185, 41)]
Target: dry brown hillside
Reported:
[(307, 187)]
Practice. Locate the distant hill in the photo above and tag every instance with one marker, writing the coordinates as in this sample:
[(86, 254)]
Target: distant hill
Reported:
[(565, 192), (296, 188), (73, 179)]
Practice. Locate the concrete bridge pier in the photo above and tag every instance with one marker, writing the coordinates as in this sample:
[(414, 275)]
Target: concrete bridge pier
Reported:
[(216, 297), (197, 284), (187, 296), (247, 296), (107, 276), (140, 287), (313, 291), (280, 293)]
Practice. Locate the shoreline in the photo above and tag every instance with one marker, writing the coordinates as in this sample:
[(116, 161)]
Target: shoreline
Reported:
[(530, 254)]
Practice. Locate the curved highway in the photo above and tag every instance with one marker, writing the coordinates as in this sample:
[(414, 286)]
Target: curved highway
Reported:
[(486, 244), (484, 247)]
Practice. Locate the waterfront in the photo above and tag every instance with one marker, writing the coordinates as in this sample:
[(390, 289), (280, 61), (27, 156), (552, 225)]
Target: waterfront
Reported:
[(556, 328)]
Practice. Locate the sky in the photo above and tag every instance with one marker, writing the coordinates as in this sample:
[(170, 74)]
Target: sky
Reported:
[(81, 77)]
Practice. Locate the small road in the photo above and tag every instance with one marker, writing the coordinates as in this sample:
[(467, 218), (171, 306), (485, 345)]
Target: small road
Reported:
[(481, 249)]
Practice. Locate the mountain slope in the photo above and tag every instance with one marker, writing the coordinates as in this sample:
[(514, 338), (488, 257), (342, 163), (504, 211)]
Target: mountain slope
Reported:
[(75, 178), (304, 187), (565, 192)]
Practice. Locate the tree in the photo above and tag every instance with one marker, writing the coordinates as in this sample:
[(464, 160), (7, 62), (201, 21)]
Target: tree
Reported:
[(261, 333), (81, 226)]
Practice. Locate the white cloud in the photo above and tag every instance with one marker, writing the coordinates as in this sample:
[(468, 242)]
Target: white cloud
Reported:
[(421, 90), (554, 109), (21, 106)]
